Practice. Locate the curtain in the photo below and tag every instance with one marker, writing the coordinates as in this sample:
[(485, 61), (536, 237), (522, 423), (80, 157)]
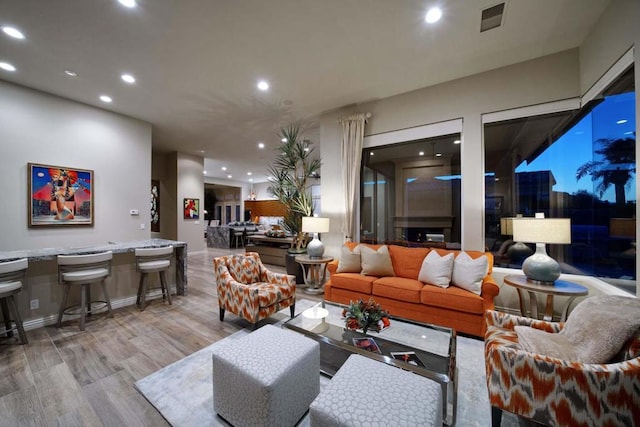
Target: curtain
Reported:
[(352, 138)]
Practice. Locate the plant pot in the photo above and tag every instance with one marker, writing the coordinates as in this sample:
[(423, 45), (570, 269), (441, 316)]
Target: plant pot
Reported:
[(293, 267)]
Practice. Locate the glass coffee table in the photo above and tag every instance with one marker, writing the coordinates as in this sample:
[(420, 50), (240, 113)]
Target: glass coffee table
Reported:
[(424, 349)]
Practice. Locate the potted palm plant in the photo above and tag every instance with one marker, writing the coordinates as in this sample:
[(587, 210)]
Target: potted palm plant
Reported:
[(294, 166)]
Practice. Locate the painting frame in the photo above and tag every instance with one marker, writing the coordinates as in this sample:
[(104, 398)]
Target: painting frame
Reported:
[(59, 196), (155, 206), (191, 208)]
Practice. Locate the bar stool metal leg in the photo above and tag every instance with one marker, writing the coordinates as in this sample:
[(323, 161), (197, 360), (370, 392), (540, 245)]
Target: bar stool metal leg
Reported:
[(65, 298), (106, 297), (18, 320), (6, 317), (165, 287)]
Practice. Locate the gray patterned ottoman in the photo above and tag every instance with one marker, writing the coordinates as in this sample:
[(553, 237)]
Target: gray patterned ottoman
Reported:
[(371, 393), (268, 377)]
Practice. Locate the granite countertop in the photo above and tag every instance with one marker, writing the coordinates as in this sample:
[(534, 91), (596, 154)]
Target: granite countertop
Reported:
[(117, 247)]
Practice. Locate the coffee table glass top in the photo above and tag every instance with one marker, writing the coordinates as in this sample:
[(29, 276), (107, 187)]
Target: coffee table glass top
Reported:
[(425, 349)]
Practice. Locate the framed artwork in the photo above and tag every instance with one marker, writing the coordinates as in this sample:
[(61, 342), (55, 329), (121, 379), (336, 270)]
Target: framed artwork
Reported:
[(155, 206), (59, 196), (191, 208)]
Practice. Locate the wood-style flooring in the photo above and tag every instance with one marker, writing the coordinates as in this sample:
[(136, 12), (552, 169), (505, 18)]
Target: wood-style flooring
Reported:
[(67, 377)]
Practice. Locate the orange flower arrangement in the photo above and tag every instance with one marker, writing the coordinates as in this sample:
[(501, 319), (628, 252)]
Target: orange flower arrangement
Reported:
[(365, 316)]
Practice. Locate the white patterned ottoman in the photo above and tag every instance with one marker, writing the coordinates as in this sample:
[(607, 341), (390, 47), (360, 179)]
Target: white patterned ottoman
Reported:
[(371, 393), (268, 377)]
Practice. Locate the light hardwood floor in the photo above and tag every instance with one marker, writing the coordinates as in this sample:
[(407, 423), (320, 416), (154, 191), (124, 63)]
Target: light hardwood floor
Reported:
[(67, 377)]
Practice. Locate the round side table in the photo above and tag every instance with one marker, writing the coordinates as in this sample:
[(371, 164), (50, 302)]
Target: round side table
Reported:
[(314, 271), (559, 288)]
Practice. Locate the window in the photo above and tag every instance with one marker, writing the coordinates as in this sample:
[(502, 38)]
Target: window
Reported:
[(410, 192), (576, 164)]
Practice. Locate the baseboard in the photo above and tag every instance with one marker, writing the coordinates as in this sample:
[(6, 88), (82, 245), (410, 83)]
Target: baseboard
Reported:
[(41, 322)]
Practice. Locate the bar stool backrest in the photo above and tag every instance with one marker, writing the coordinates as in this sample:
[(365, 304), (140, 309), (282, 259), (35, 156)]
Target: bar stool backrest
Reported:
[(13, 270), (78, 262), (144, 255)]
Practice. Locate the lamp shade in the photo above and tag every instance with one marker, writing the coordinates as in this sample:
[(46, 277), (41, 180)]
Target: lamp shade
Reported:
[(506, 226), (542, 230), (312, 224)]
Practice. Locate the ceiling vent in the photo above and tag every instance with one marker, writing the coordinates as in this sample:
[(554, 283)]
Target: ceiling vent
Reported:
[(492, 17)]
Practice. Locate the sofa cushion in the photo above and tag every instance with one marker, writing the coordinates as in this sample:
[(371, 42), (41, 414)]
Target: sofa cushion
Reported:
[(349, 261), (375, 262), (354, 282), (468, 273), (436, 270), (407, 261), (452, 298), (398, 288)]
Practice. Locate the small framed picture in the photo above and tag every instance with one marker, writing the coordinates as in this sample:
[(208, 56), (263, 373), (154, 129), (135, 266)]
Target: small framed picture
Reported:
[(409, 357), (368, 344), (191, 208)]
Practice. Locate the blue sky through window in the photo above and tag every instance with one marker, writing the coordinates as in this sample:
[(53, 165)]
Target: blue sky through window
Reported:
[(613, 118)]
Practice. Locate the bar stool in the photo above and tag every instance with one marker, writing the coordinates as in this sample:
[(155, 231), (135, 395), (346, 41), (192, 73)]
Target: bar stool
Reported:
[(83, 270), (150, 260), (12, 274), (238, 238)]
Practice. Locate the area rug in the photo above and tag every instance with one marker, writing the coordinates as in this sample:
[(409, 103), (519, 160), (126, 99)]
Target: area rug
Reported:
[(183, 391)]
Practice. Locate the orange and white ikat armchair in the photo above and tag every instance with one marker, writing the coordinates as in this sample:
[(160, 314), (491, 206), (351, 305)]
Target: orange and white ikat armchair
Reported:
[(557, 392), (247, 289)]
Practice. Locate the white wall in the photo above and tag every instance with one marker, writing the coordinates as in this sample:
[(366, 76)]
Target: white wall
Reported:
[(190, 186), (41, 128)]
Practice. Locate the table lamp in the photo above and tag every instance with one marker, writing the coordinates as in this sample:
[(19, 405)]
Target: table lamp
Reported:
[(315, 225), (518, 251), (541, 268)]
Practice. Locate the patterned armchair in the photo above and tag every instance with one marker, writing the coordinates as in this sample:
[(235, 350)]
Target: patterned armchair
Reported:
[(558, 392), (247, 289)]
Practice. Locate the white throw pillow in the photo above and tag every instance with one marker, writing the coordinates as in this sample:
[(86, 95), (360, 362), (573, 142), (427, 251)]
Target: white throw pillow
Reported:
[(349, 261), (436, 270), (468, 272), (376, 263)]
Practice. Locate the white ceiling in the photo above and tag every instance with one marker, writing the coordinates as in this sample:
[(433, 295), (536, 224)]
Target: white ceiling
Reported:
[(197, 62)]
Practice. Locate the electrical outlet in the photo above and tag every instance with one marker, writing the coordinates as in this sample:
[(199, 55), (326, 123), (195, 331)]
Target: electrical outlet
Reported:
[(142, 227), (35, 304)]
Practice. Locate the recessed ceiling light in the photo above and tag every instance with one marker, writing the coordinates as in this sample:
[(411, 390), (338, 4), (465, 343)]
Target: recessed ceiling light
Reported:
[(229, 176), (128, 78), (128, 3), (204, 172), (621, 122), (71, 73), (13, 32), (224, 168), (260, 144), (421, 153), (457, 141), (250, 179), (249, 173), (438, 154), (105, 98), (371, 153), (284, 140), (7, 67), (433, 15), (262, 85)]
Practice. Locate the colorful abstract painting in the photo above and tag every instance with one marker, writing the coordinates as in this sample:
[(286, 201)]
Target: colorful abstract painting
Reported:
[(59, 196), (191, 208)]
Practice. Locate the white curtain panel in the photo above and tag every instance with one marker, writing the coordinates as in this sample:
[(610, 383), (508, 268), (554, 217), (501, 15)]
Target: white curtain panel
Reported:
[(352, 139)]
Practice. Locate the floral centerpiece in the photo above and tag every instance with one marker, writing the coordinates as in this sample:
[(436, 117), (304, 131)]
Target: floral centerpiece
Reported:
[(365, 315)]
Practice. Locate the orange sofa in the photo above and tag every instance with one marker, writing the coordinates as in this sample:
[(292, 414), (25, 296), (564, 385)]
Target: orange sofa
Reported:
[(405, 296)]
